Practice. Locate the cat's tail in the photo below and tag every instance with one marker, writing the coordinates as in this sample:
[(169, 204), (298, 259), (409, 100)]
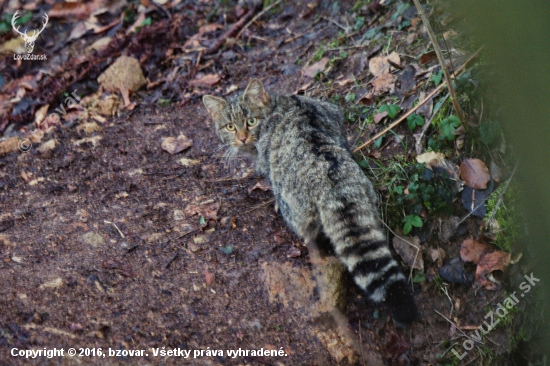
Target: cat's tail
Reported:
[(350, 221)]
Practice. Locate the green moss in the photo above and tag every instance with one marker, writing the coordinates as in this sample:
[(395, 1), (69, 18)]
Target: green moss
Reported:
[(506, 222)]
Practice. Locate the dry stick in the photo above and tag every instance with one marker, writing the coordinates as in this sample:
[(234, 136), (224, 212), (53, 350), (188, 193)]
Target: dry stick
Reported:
[(419, 140), (256, 18), (411, 244), (420, 104), (437, 50), (236, 26)]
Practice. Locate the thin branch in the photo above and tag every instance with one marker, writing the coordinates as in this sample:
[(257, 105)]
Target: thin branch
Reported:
[(437, 50), (420, 104), (267, 8)]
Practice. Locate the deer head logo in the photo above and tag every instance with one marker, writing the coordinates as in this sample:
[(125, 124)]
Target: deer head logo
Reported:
[(29, 40)]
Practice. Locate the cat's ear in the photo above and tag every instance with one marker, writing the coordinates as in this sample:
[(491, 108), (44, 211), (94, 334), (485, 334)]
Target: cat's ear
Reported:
[(214, 105), (256, 93)]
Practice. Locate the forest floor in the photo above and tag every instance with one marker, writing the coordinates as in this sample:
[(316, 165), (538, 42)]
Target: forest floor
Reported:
[(122, 226)]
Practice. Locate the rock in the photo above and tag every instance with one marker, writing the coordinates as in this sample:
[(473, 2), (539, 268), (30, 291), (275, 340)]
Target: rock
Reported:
[(57, 282), (295, 288), (124, 72), (93, 239)]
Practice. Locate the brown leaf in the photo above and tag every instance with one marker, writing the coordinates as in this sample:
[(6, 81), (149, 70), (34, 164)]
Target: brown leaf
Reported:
[(380, 116), (475, 173), (312, 70), (384, 83), (79, 10), (208, 210), (175, 145), (488, 264), (427, 57), (407, 252), (437, 256), (263, 185), (381, 64), (472, 250), (209, 277), (206, 81)]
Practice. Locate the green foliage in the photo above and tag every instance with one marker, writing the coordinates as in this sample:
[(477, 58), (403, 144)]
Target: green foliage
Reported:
[(448, 126), (359, 23), (319, 53), (507, 220), (163, 102), (436, 78), (414, 120), (419, 276), (392, 110), (410, 221), (5, 21), (350, 97)]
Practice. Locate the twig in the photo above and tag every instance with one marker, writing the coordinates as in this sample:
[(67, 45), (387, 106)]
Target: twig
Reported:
[(234, 28), (269, 201), (437, 50), (267, 8), (420, 104), (112, 223), (408, 242), (457, 327), (419, 143)]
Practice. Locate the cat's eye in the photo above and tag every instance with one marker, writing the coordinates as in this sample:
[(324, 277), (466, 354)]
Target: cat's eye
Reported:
[(230, 127), (252, 122)]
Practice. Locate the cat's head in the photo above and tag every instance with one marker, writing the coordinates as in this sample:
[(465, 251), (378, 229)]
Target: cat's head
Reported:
[(238, 120)]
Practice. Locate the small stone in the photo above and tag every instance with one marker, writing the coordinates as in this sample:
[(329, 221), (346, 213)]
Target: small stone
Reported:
[(126, 72), (93, 239)]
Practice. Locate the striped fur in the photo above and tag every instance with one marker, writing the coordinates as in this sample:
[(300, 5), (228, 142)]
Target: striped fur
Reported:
[(299, 144)]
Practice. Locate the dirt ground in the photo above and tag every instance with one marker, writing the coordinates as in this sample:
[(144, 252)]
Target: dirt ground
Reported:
[(109, 242)]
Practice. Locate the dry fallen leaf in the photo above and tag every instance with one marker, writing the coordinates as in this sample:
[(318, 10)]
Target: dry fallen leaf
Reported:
[(208, 210), (379, 116), (407, 252), (381, 64), (437, 256), (125, 71), (206, 81), (384, 83), (488, 264), (175, 145), (427, 57), (431, 158), (312, 70), (472, 250), (262, 185), (475, 173)]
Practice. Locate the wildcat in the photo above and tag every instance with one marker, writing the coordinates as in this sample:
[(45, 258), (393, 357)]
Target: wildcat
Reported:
[(298, 143)]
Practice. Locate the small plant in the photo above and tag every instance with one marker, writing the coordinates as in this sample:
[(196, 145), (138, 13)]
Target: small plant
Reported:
[(410, 221), (448, 126), (436, 78), (414, 120), (392, 110)]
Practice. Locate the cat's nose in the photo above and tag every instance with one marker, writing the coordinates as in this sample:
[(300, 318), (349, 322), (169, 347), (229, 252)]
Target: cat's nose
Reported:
[(243, 138)]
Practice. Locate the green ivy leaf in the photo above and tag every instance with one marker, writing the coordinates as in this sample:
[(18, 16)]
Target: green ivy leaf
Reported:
[(202, 221), (407, 228), (359, 23), (378, 142), (416, 221), (448, 126), (436, 78), (414, 120), (398, 189), (419, 277), (350, 97), (392, 110)]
